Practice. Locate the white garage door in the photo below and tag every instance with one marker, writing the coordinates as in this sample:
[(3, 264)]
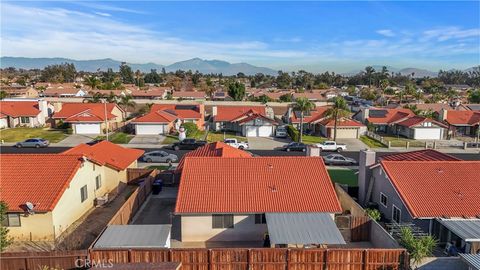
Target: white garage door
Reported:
[(346, 133), (251, 131), (149, 129), (427, 134), (265, 131), (87, 129)]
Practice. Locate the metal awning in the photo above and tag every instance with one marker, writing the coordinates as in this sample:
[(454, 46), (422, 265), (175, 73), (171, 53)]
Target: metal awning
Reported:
[(467, 229), (134, 236), (303, 228), (472, 260)]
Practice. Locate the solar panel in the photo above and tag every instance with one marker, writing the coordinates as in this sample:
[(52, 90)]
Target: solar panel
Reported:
[(185, 107), (377, 113), (171, 112), (298, 114)]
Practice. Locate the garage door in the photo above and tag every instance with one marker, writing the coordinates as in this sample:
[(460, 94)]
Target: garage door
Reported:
[(427, 134), (265, 131), (346, 133), (149, 129), (251, 131), (87, 128)]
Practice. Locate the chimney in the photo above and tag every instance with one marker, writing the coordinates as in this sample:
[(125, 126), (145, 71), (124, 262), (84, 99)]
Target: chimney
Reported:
[(366, 159), (214, 111), (269, 112), (443, 115), (364, 114), (288, 116), (313, 151)]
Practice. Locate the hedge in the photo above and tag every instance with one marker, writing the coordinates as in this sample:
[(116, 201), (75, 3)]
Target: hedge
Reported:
[(293, 133)]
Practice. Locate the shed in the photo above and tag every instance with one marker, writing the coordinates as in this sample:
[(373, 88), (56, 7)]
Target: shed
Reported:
[(467, 229), (134, 236)]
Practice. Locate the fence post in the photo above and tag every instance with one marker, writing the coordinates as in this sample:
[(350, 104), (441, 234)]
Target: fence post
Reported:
[(465, 146), (407, 144), (389, 144), (365, 259)]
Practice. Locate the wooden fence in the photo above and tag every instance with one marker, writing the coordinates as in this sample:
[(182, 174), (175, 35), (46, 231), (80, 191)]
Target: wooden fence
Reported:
[(137, 174), (42, 260), (360, 228)]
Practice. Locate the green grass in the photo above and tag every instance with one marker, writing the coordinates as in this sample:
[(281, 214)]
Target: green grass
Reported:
[(371, 142), (117, 137), (218, 136), (22, 133), (344, 177), (169, 139), (401, 142), (308, 139), (160, 168)]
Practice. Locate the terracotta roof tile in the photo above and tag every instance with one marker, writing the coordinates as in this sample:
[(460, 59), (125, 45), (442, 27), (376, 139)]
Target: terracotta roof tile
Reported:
[(255, 185), (420, 155), (315, 115), (391, 116), (85, 112), (416, 120), (463, 117), (229, 113), (19, 108), (37, 178), (345, 122), (432, 189)]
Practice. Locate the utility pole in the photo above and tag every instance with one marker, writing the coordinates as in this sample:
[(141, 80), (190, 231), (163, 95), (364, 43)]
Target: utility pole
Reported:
[(106, 120)]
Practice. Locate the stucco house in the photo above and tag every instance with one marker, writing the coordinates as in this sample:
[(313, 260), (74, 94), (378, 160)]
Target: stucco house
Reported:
[(425, 188), (249, 121), (383, 119), (90, 118), (246, 197), (421, 128), (461, 123), (163, 118), (23, 112)]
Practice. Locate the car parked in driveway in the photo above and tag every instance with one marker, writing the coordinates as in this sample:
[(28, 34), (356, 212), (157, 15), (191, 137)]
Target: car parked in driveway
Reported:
[(337, 159), (295, 146), (281, 132), (160, 157), (35, 142), (235, 143)]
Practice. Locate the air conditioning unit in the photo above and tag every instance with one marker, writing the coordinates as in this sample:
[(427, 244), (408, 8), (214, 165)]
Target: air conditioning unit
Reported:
[(99, 201)]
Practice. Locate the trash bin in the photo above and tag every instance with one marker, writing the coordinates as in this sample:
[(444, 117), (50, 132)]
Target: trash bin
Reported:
[(157, 186)]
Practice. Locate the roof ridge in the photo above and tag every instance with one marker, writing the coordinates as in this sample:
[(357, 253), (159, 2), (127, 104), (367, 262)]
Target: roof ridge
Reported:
[(431, 161)]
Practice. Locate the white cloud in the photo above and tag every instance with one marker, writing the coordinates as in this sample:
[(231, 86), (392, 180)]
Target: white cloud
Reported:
[(447, 33), (104, 14), (386, 32)]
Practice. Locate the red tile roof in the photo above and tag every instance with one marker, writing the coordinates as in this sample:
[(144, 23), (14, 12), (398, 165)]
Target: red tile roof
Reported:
[(189, 94), (155, 117), (315, 115), (392, 116), (229, 113), (416, 120), (216, 149), (345, 122), (255, 185), (251, 115), (166, 113), (19, 108), (433, 189), (470, 118), (107, 153), (420, 155), (37, 178), (85, 112)]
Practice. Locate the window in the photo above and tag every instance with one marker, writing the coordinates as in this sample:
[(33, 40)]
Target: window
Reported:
[(260, 219), (83, 193), (222, 221), (24, 120), (98, 182), (11, 220), (396, 213), (383, 199)]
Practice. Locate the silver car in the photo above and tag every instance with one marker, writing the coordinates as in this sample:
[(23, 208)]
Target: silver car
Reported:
[(35, 142), (160, 157), (337, 159)]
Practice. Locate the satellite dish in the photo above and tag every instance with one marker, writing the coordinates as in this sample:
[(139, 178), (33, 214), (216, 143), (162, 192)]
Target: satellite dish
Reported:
[(30, 207)]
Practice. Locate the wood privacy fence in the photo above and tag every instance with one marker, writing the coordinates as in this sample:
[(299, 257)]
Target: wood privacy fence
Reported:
[(42, 260), (360, 228)]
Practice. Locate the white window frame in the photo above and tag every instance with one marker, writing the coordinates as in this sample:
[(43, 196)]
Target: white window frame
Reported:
[(386, 199), (399, 214), (81, 194), (22, 118), (98, 182)]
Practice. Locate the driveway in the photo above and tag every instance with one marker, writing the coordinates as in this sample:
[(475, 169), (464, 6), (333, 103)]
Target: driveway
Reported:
[(76, 139), (147, 139), (266, 143), (353, 144)]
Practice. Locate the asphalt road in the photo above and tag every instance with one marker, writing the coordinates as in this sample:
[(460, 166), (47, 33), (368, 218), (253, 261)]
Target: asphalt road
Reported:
[(180, 153)]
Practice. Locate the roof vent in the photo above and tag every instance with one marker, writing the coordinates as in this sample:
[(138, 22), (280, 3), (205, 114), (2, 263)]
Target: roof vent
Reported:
[(458, 194), (273, 188), (270, 166), (439, 170)]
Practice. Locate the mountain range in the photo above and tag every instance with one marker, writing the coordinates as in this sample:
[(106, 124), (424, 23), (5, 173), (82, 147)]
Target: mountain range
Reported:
[(203, 66)]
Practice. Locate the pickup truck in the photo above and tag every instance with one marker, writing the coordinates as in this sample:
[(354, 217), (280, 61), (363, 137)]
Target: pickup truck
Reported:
[(235, 143), (188, 144), (331, 146)]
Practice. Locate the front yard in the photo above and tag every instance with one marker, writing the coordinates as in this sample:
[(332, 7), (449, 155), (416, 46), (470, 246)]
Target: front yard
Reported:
[(402, 142), (343, 176), (22, 133), (117, 137), (310, 139), (200, 135), (372, 143)]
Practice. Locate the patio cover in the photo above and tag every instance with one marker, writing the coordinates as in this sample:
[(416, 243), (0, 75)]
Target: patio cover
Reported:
[(134, 236), (467, 229), (472, 260), (303, 228)]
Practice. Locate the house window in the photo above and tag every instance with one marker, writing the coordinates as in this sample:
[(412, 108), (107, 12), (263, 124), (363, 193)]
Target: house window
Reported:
[(396, 213), (11, 220), (383, 199), (260, 219), (83, 193), (24, 120), (98, 182), (222, 221)]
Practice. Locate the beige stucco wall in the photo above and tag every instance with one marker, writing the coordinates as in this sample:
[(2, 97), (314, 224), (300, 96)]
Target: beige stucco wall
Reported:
[(37, 227), (198, 228)]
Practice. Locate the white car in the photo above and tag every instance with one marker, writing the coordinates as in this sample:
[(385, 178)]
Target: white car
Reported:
[(235, 143), (331, 146)]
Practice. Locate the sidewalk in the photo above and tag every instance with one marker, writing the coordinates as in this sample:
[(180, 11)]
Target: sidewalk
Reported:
[(443, 150)]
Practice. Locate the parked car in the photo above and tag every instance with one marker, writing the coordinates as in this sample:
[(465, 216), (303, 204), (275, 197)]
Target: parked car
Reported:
[(35, 142), (337, 159), (188, 144), (281, 132), (235, 143), (331, 146), (295, 146), (159, 156)]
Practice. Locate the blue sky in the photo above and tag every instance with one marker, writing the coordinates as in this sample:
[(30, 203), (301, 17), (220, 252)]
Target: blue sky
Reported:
[(316, 36)]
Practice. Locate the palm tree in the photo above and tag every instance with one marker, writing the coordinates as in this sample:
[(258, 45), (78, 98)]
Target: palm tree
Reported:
[(125, 102), (111, 98), (92, 81), (303, 105), (96, 98), (337, 111), (369, 72)]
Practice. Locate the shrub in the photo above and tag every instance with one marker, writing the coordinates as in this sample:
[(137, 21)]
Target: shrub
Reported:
[(293, 133), (417, 247), (373, 214), (191, 129)]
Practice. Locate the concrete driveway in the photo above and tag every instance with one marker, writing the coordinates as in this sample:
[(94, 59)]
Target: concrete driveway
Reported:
[(147, 139), (266, 143), (353, 144), (76, 139)]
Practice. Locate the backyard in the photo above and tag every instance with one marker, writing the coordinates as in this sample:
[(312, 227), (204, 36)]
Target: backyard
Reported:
[(343, 176), (23, 133)]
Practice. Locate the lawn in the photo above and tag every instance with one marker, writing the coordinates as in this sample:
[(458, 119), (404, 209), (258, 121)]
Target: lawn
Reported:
[(218, 136), (308, 139), (22, 133), (117, 137), (371, 142), (344, 177), (401, 142), (170, 139)]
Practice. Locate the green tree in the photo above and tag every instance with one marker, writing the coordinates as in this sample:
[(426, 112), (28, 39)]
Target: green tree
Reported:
[(474, 96), (264, 99), (286, 98), (303, 105), (126, 73), (236, 91), (3, 94), (338, 110), (126, 102), (369, 72), (5, 240), (111, 98), (374, 214), (92, 81), (417, 247), (153, 77), (95, 98)]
